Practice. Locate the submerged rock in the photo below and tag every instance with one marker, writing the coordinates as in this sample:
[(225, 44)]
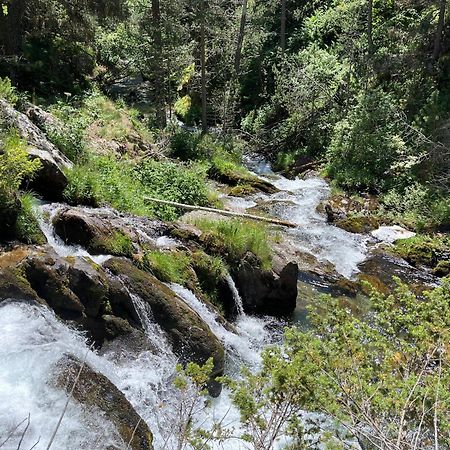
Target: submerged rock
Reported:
[(94, 390), (50, 181)]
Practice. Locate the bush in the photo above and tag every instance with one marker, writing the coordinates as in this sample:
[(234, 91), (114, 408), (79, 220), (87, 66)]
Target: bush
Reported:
[(170, 267), (177, 183), (417, 206), (366, 144), (8, 91), (123, 185), (15, 167), (232, 239)]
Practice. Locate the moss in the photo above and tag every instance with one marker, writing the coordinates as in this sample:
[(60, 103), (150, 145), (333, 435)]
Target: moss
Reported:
[(13, 284), (442, 268), (357, 223), (242, 190), (172, 267), (117, 243), (210, 271), (27, 226), (232, 239), (425, 250)]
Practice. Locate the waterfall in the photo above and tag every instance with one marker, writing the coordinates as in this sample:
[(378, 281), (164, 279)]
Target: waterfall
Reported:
[(236, 296)]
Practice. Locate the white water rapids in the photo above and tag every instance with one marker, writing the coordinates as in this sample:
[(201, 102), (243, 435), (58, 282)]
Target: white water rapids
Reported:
[(33, 339)]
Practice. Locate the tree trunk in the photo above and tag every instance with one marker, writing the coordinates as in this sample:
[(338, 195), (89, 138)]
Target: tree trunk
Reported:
[(203, 65), (283, 27), (240, 40), (439, 31), (370, 27), (159, 68)]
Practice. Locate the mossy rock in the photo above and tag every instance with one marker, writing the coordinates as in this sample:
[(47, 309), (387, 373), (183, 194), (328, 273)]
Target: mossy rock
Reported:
[(242, 190), (14, 285), (442, 268), (426, 250), (358, 223)]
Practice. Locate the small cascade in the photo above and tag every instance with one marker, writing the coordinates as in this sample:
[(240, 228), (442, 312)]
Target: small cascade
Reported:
[(245, 345), (45, 214), (236, 296)]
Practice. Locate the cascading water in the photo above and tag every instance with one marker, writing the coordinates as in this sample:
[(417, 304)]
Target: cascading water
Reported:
[(236, 296), (297, 202)]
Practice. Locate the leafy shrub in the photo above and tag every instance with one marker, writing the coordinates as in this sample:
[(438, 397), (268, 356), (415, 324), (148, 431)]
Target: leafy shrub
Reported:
[(417, 206), (178, 183), (232, 239), (187, 110), (7, 91), (365, 144), (15, 167), (171, 267), (123, 185)]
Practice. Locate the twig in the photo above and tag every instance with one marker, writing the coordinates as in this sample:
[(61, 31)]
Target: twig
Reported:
[(24, 432), (222, 212), (134, 431), (12, 432)]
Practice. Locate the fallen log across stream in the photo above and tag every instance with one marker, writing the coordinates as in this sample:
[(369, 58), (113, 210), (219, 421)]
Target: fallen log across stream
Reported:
[(223, 212)]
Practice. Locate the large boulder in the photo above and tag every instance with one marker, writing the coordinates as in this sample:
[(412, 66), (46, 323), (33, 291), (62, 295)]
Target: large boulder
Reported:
[(191, 338), (266, 291), (105, 231), (94, 390), (75, 288), (51, 180)]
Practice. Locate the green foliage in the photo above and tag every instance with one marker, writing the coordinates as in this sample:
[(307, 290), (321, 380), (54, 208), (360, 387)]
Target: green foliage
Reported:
[(117, 243), (366, 144), (15, 165), (171, 267), (390, 369), (210, 270), (27, 225), (177, 183), (123, 184), (7, 91), (187, 111), (232, 239), (417, 206)]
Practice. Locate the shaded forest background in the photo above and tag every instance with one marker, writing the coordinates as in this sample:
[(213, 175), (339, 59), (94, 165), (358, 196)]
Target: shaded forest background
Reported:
[(361, 86)]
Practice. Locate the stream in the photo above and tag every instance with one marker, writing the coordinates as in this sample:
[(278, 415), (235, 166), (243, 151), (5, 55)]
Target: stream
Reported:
[(33, 339)]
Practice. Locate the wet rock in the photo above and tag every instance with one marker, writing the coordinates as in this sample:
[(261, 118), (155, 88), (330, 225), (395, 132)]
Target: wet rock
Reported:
[(266, 292), (13, 285), (77, 290), (237, 179), (356, 215), (381, 268), (191, 338), (50, 181), (94, 390), (73, 226)]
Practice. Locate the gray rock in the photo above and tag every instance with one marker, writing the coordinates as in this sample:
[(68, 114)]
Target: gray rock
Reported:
[(50, 181)]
